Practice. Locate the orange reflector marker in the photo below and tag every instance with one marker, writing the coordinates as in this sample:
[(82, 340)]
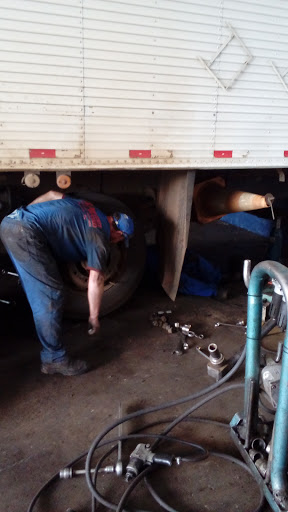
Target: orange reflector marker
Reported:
[(63, 181)]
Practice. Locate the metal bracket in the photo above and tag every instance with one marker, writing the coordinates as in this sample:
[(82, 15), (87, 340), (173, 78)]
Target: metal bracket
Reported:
[(281, 77), (207, 65), (282, 176)]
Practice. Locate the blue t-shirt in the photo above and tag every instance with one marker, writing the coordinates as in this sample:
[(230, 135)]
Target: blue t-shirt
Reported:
[(74, 228)]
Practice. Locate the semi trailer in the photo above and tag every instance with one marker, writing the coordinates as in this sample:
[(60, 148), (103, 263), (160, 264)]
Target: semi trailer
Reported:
[(130, 103)]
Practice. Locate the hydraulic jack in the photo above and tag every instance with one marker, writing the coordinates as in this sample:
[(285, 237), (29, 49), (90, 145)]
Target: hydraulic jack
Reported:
[(263, 443)]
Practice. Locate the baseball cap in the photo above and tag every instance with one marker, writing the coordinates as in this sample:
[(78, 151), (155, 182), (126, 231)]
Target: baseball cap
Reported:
[(125, 224)]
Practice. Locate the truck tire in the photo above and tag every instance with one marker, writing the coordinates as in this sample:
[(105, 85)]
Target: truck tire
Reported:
[(124, 273)]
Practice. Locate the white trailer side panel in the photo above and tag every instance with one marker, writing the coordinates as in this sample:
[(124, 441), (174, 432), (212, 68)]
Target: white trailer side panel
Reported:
[(98, 84), (41, 83)]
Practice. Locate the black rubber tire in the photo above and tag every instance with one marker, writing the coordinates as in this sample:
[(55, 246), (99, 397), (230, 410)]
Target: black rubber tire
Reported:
[(76, 302)]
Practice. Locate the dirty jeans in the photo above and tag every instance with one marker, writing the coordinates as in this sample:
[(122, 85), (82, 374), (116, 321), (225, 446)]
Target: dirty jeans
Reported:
[(41, 280)]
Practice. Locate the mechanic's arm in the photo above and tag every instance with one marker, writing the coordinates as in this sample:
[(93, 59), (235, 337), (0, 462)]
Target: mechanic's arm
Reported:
[(95, 293), (49, 196)]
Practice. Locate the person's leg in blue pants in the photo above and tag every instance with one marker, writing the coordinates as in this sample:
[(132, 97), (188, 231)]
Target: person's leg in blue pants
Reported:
[(42, 283)]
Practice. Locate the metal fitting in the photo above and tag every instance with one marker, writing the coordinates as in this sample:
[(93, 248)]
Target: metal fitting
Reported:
[(259, 444), (186, 330), (66, 473), (217, 365), (261, 465), (160, 319), (215, 356), (118, 468), (246, 272), (255, 455)]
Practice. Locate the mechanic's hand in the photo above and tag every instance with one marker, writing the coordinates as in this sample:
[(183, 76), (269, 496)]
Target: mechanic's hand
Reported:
[(94, 325)]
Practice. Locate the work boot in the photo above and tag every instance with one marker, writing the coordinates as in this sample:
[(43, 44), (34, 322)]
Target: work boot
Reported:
[(68, 367)]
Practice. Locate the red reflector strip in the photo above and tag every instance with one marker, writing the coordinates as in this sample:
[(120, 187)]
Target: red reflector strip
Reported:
[(286, 154), (135, 153), (223, 154), (42, 153)]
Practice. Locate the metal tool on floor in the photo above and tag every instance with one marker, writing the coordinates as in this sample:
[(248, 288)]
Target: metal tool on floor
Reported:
[(186, 330), (141, 456), (5, 301), (162, 319), (241, 323), (183, 332), (7, 273), (119, 463), (69, 472), (217, 365), (270, 466), (8, 302), (182, 346)]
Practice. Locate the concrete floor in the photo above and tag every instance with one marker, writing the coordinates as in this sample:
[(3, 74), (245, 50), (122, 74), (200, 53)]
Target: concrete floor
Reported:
[(47, 421)]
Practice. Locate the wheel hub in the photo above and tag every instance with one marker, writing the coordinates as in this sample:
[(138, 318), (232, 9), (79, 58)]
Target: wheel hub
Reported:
[(78, 275)]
